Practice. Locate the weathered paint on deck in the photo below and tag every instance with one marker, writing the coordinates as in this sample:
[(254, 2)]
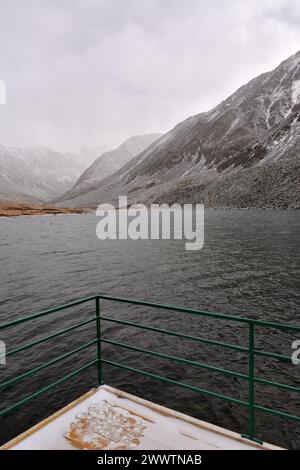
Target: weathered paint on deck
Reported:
[(165, 428)]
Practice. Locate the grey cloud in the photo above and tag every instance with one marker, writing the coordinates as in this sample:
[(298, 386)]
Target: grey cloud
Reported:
[(96, 71)]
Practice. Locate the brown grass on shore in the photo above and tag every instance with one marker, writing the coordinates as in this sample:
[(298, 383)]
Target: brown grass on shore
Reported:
[(15, 209)]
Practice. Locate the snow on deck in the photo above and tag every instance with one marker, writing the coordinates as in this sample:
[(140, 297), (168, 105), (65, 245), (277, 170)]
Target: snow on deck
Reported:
[(162, 428)]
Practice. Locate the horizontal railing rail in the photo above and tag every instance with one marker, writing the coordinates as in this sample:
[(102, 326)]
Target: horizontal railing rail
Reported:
[(250, 350)]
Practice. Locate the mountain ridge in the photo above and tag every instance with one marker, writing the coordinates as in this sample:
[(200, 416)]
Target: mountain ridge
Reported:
[(110, 162), (253, 133)]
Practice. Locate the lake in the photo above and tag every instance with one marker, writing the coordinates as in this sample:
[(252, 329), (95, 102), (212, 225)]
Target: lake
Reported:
[(249, 266)]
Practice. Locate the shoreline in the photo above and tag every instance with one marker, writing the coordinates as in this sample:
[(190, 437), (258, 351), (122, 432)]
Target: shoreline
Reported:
[(15, 209)]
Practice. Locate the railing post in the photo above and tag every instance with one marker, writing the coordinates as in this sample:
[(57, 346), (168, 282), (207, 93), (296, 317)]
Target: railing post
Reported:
[(251, 385), (251, 389), (98, 326)]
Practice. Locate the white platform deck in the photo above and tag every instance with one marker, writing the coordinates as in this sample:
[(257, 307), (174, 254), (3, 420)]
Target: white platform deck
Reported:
[(165, 429)]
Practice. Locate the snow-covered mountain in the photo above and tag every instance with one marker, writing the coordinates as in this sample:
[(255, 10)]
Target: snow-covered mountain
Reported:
[(40, 174), (242, 153), (110, 162)]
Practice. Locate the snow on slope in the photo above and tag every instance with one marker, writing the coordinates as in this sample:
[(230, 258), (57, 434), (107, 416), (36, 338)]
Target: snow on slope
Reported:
[(40, 174), (296, 92), (110, 162), (256, 126)]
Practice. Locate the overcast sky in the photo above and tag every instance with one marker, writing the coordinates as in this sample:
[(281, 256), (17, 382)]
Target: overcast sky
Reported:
[(95, 72)]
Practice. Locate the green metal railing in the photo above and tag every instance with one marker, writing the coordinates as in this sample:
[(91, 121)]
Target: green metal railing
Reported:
[(250, 376)]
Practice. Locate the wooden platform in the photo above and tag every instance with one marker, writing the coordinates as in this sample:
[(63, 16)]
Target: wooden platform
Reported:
[(162, 428)]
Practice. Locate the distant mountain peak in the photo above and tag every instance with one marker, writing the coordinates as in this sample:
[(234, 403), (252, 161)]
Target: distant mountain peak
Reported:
[(110, 162), (38, 174)]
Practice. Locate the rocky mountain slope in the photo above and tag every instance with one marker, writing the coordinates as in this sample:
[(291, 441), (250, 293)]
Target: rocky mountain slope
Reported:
[(40, 174), (110, 162), (242, 153)]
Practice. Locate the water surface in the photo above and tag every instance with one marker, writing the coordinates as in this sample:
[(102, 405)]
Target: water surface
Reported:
[(249, 266)]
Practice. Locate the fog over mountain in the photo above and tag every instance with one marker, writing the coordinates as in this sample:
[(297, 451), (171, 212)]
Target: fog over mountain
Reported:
[(103, 70), (109, 162), (40, 174), (242, 153)]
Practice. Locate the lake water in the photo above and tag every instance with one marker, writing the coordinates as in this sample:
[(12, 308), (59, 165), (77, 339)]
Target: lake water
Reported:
[(249, 266)]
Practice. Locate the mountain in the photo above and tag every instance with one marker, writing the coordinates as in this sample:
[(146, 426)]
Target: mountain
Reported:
[(242, 153), (110, 162), (88, 154), (40, 174)]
